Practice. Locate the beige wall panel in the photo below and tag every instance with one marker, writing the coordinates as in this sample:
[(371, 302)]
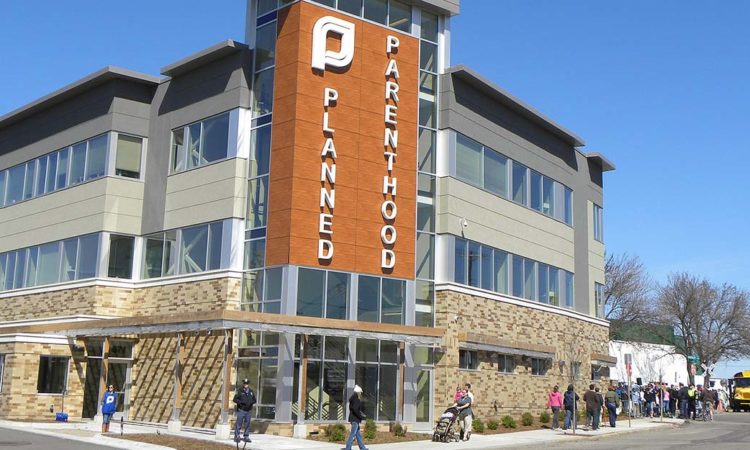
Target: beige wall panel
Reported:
[(206, 194), (502, 224), (110, 204)]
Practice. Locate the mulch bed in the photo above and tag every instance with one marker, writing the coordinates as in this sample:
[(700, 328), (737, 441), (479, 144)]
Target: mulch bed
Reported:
[(180, 443)]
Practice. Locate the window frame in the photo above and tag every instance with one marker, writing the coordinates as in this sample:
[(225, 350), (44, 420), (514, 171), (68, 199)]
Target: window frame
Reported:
[(464, 363), (503, 360), (538, 366), (186, 137), (66, 379)]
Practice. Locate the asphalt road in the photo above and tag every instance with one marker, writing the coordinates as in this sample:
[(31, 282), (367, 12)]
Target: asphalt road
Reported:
[(14, 439), (728, 431)]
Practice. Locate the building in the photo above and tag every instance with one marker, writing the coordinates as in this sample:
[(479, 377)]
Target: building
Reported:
[(327, 204), (650, 363)]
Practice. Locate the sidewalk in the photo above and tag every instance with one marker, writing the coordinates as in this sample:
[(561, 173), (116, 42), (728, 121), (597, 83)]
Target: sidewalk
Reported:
[(87, 432)]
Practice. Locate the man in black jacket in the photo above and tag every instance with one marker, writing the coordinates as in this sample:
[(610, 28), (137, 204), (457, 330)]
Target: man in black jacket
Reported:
[(682, 395), (356, 415), (244, 400)]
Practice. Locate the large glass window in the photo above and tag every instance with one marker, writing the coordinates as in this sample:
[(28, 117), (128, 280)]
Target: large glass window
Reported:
[(496, 173), (97, 157), (368, 298), (399, 16), (15, 184), (310, 292), (2, 188), (53, 375), (599, 299), (539, 366), (459, 275), (376, 10), (520, 174), (474, 268), (199, 249), (200, 143), (258, 362), (120, 256), (598, 223), (468, 160), (376, 372), (128, 158), (393, 301)]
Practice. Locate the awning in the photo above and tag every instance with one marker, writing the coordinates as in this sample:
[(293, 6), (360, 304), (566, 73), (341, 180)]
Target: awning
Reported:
[(473, 341), (599, 359), (243, 320)]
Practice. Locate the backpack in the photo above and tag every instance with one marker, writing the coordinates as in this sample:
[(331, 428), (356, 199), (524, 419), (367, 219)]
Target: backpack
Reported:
[(568, 400)]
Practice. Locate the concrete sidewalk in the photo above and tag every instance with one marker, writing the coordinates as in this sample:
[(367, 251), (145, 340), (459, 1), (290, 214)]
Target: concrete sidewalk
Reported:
[(87, 432)]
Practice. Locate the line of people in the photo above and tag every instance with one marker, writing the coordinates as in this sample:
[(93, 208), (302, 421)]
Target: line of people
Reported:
[(681, 401)]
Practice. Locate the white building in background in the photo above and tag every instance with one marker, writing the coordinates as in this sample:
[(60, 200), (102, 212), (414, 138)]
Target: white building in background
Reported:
[(651, 362)]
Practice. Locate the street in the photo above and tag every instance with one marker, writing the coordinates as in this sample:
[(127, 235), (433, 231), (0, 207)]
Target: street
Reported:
[(23, 440), (727, 431)]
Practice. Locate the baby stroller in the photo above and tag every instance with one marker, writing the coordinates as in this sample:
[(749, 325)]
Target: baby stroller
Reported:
[(445, 428)]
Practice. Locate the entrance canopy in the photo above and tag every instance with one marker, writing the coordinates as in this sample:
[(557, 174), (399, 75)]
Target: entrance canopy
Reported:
[(240, 320), (473, 341)]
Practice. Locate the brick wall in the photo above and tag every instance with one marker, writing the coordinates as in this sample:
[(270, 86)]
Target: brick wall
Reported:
[(19, 399), (496, 393)]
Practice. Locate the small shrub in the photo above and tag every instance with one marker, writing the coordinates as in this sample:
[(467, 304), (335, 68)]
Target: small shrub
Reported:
[(398, 430), (370, 429), (492, 424), (544, 417), (508, 422), (335, 432), (527, 419), (477, 425)]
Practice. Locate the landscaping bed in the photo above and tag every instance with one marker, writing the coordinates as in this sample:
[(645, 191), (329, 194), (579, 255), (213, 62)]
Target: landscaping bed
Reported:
[(177, 442)]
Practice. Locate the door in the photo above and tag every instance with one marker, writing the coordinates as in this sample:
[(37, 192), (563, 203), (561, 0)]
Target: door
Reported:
[(118, 375)]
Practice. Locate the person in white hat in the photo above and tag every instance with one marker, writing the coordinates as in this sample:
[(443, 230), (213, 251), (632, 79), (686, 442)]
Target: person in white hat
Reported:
[(356, 416)]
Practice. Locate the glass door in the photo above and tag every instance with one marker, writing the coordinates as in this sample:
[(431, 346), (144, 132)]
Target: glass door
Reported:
[(118, 375)]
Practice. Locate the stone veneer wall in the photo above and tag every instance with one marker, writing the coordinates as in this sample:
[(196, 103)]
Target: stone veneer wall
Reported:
[(498, 394), (153, 377), (19, 399), (99, 300)]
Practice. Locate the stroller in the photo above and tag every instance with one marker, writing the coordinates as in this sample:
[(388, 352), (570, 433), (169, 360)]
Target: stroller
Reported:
[(446, 426)]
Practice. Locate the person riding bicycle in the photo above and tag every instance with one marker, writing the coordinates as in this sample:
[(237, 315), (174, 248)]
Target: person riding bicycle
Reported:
[(709, 400)]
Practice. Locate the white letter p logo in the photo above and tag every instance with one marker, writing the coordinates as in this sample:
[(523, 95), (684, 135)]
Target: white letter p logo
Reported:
[(321, 56)]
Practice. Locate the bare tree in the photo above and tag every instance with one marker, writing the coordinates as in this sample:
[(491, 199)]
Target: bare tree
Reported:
[(627, 291), (711, 321)]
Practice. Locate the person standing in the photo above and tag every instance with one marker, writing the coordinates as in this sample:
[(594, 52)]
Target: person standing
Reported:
[(709, 401), (682, 395), (612, 401), (466, 413), (555, 401), (569, 403), (356, 416), (635, 403), (593, 406), (672, 401), (692, 395), (109, 406), (244, 401)]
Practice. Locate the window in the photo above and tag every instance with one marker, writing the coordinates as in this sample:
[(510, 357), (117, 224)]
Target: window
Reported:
[(429, 28), (501, 271), (120, 256), (263, 93), (96, 158), (520, 174), (88, 256), (506, 363), (575, 370), (188, 250), (598, 223), (536, 191), (468, 360), (261, 290), (400, 16), (376, 10), (473, 266), (2, 188), (53, 375), (424, 304), (265, 46), (393, 301), (367, 300), (569, 297), (128, 158), (542, 282), (459, 266), (351, 6), (62, 169), (599, 299), (538, 366), (14, 192), (468, 160), (258, 362), (310, 292), (496, 173), (200, 143)]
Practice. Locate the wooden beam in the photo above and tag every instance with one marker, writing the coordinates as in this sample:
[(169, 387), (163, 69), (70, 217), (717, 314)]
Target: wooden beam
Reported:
[(226, 376), (179, 356)]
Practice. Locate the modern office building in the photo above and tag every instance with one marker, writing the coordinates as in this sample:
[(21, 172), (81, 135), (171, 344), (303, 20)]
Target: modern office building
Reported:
[(329, 203)]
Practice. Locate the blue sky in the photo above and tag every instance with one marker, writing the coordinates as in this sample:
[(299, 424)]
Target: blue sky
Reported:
[(659, 87)]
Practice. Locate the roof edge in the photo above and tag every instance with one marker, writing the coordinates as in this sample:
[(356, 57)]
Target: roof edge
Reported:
[(606, 164), (513, 102), (82, 85), (202, 57)]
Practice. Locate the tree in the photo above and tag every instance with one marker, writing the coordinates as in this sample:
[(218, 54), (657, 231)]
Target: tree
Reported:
[(627, 291), (712, 320)]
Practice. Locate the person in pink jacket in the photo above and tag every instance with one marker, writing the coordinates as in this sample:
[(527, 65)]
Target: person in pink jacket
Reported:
[(555, 401)]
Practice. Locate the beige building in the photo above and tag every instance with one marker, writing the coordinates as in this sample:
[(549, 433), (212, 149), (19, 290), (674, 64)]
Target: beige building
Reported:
[(172, 235)]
